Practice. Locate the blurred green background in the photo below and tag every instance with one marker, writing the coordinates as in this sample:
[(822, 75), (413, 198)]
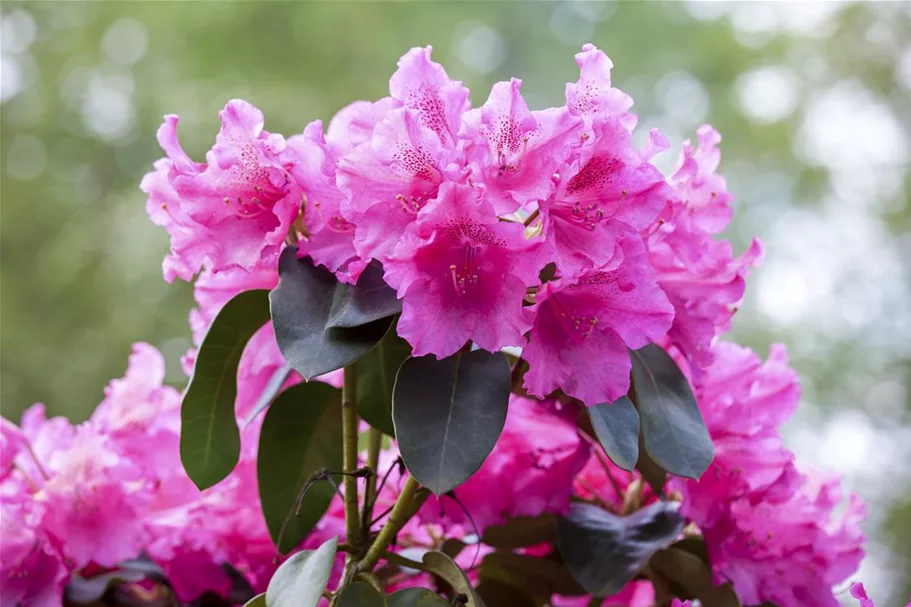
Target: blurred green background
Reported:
[(813, 101)]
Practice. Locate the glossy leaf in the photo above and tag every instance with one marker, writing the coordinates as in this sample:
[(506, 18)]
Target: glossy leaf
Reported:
[(501, 594), (551, 573), (616, 426), (675, 435), (651, 472), (367, 301), (300, 581), (301, 434), (258, 601), (301, 304), (209, 438), (445, 568), (520, 532), (416, 597), (689, 573), (605, 551), (448, 415), (376, 373), (270, 391), (360, 594)]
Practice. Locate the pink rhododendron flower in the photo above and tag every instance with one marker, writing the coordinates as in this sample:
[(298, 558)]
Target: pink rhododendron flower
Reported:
[(424, 87), (330, 238), (390, 179), (232, 211), (582, 329), (411, 150), (859, 592), (700, 275), (762, 519), (529, 472), (607, 188), (462, 274), (743, 403), (12, 442), (89, 504), (33, 573), (592, 97), (515, 152), (142, 415)]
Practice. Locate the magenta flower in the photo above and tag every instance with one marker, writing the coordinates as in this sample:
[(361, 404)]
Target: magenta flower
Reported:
[(582, 329), (860, 593), (700, 275), (411, 150), (592, 97), (424, 87), (515, 152), (330, 237), (607, 189), (743, 402), (33, 573), (89, 504), (142, 414), (390, 179), (235, 209), (462, 275)]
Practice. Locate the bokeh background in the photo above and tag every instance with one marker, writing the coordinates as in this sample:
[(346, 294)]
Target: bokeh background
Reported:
[(813, 101)]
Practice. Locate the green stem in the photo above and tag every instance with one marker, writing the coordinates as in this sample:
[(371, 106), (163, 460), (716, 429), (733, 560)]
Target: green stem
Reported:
[(405, 506), (374, 444), (349, 453)]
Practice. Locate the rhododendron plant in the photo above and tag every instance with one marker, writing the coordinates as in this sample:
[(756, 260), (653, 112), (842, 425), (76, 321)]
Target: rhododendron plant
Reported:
[(442, 356)]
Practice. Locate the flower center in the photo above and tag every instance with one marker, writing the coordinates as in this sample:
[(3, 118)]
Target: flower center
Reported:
[(465, 277), (579, 327)]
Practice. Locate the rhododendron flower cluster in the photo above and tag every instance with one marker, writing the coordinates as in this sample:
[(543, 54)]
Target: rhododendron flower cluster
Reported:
[(465, 208), (449, 232)]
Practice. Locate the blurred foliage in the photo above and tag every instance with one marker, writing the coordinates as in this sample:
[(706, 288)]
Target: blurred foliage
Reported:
[(85, 86)]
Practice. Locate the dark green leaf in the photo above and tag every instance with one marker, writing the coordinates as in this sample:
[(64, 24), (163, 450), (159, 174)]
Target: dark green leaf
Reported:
[(376, 372), (452, 547), (300, 310), (301, 434), (445, 568), (547, 571), (617, 427), (605, 551), (416, 597), (360, 594), (363, 303), (520, 532), (493, 570), (500, 594), (693, 545), (448, 415), (672, 427), (300, 581), (269, 392), (258, 601), (691, 575), (651, 472), (209, 439)]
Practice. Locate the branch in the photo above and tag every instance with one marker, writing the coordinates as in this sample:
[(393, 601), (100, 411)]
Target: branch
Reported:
[(349, 453), (407, 504)]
